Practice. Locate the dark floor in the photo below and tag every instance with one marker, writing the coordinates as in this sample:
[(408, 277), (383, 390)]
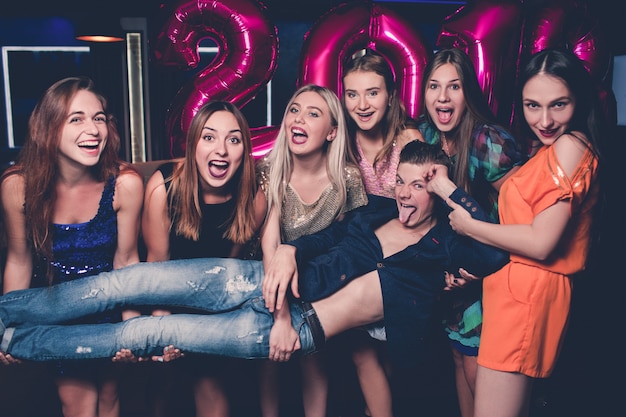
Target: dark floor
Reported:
[(27, 391), (587, 382)]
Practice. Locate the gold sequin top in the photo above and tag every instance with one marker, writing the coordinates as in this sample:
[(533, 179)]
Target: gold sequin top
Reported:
[(300, 219)]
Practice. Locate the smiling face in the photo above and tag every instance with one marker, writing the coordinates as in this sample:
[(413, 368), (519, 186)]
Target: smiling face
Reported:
[(308, 124), (84, 133), (366, 98), (444, 97), (415, 204), (548, 107), (219, 151)]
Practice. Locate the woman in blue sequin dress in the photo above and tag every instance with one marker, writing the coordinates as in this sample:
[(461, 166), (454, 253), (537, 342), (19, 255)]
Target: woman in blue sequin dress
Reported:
[(71, 210)]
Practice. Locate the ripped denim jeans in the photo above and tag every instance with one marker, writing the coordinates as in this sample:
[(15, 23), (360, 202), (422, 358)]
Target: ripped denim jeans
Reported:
[(232, 319)]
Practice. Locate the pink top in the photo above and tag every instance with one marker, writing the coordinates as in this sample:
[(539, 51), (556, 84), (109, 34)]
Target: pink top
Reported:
[(383, 181)]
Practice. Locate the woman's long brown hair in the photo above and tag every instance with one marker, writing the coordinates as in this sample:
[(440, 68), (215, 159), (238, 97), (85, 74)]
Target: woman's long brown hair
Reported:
[(37, 161)]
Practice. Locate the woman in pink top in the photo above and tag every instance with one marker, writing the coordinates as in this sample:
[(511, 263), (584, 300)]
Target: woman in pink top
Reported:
[(378, 127)]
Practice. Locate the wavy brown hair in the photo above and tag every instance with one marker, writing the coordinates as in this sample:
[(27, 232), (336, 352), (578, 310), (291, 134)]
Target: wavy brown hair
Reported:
[(184, 194), (37, 161), (396, 118), (477, 110)]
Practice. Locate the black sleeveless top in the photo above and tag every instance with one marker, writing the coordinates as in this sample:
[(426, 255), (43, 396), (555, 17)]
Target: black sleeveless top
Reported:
[(216, 219)]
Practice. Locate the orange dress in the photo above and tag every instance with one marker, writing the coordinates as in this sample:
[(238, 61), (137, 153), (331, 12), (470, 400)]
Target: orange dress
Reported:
[(526, 303)]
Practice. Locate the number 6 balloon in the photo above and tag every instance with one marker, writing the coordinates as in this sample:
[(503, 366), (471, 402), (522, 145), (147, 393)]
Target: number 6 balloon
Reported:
[(246, 61)]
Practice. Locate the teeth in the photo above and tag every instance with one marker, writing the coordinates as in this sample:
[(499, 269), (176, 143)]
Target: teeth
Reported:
[(221, 164), (89, 143)]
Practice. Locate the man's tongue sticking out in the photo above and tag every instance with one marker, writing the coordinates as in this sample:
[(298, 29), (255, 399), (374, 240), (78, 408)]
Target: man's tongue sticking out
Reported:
[(405, 213)]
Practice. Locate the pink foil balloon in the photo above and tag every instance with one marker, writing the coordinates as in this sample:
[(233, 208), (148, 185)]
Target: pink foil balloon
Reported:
[(489, 32), (263, 140), (568, 24), (350, 27), (246, 61)]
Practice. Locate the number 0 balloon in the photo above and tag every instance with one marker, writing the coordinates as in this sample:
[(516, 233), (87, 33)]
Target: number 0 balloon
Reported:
[(358, 25)]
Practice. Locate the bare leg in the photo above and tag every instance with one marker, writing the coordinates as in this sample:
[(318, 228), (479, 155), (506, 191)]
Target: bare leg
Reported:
[(465, 378), (79, 397), (502, 394), (210, 398), (372, 378), (314, 385), (269, 388), (108, 398)]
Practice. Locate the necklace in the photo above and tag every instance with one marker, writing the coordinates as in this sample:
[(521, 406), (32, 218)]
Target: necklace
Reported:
[(445, 145)]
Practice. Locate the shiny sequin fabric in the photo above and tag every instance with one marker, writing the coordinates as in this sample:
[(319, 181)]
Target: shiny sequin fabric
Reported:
[(382, 180), (86, 249), (299, 219), (81, 250)]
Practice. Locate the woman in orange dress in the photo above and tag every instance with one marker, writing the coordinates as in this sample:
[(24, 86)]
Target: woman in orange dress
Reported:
[(546, 212)]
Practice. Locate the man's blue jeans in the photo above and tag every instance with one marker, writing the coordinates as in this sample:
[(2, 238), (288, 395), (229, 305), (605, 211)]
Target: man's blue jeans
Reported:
[(233, 320)]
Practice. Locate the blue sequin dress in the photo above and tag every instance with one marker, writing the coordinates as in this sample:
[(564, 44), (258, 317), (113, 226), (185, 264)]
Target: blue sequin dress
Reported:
[(80, 250)]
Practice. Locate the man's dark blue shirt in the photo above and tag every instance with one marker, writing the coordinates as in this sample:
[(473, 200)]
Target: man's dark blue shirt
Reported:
[(410, 279)]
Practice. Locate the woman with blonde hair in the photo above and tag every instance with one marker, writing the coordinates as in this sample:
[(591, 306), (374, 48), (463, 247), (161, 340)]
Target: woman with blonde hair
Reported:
[(310, 182)]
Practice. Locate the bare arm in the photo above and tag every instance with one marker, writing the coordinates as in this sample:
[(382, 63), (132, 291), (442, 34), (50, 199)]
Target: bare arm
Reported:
[(127, 203), (277, 280), (284, 340), (155, 220), (538, 239), (270, 236), (260, 213), (155, 224), (18, 269), (260, 209), (155, 229), (282, 268)]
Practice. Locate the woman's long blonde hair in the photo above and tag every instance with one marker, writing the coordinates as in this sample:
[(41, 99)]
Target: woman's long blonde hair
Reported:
[(280, 160)]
